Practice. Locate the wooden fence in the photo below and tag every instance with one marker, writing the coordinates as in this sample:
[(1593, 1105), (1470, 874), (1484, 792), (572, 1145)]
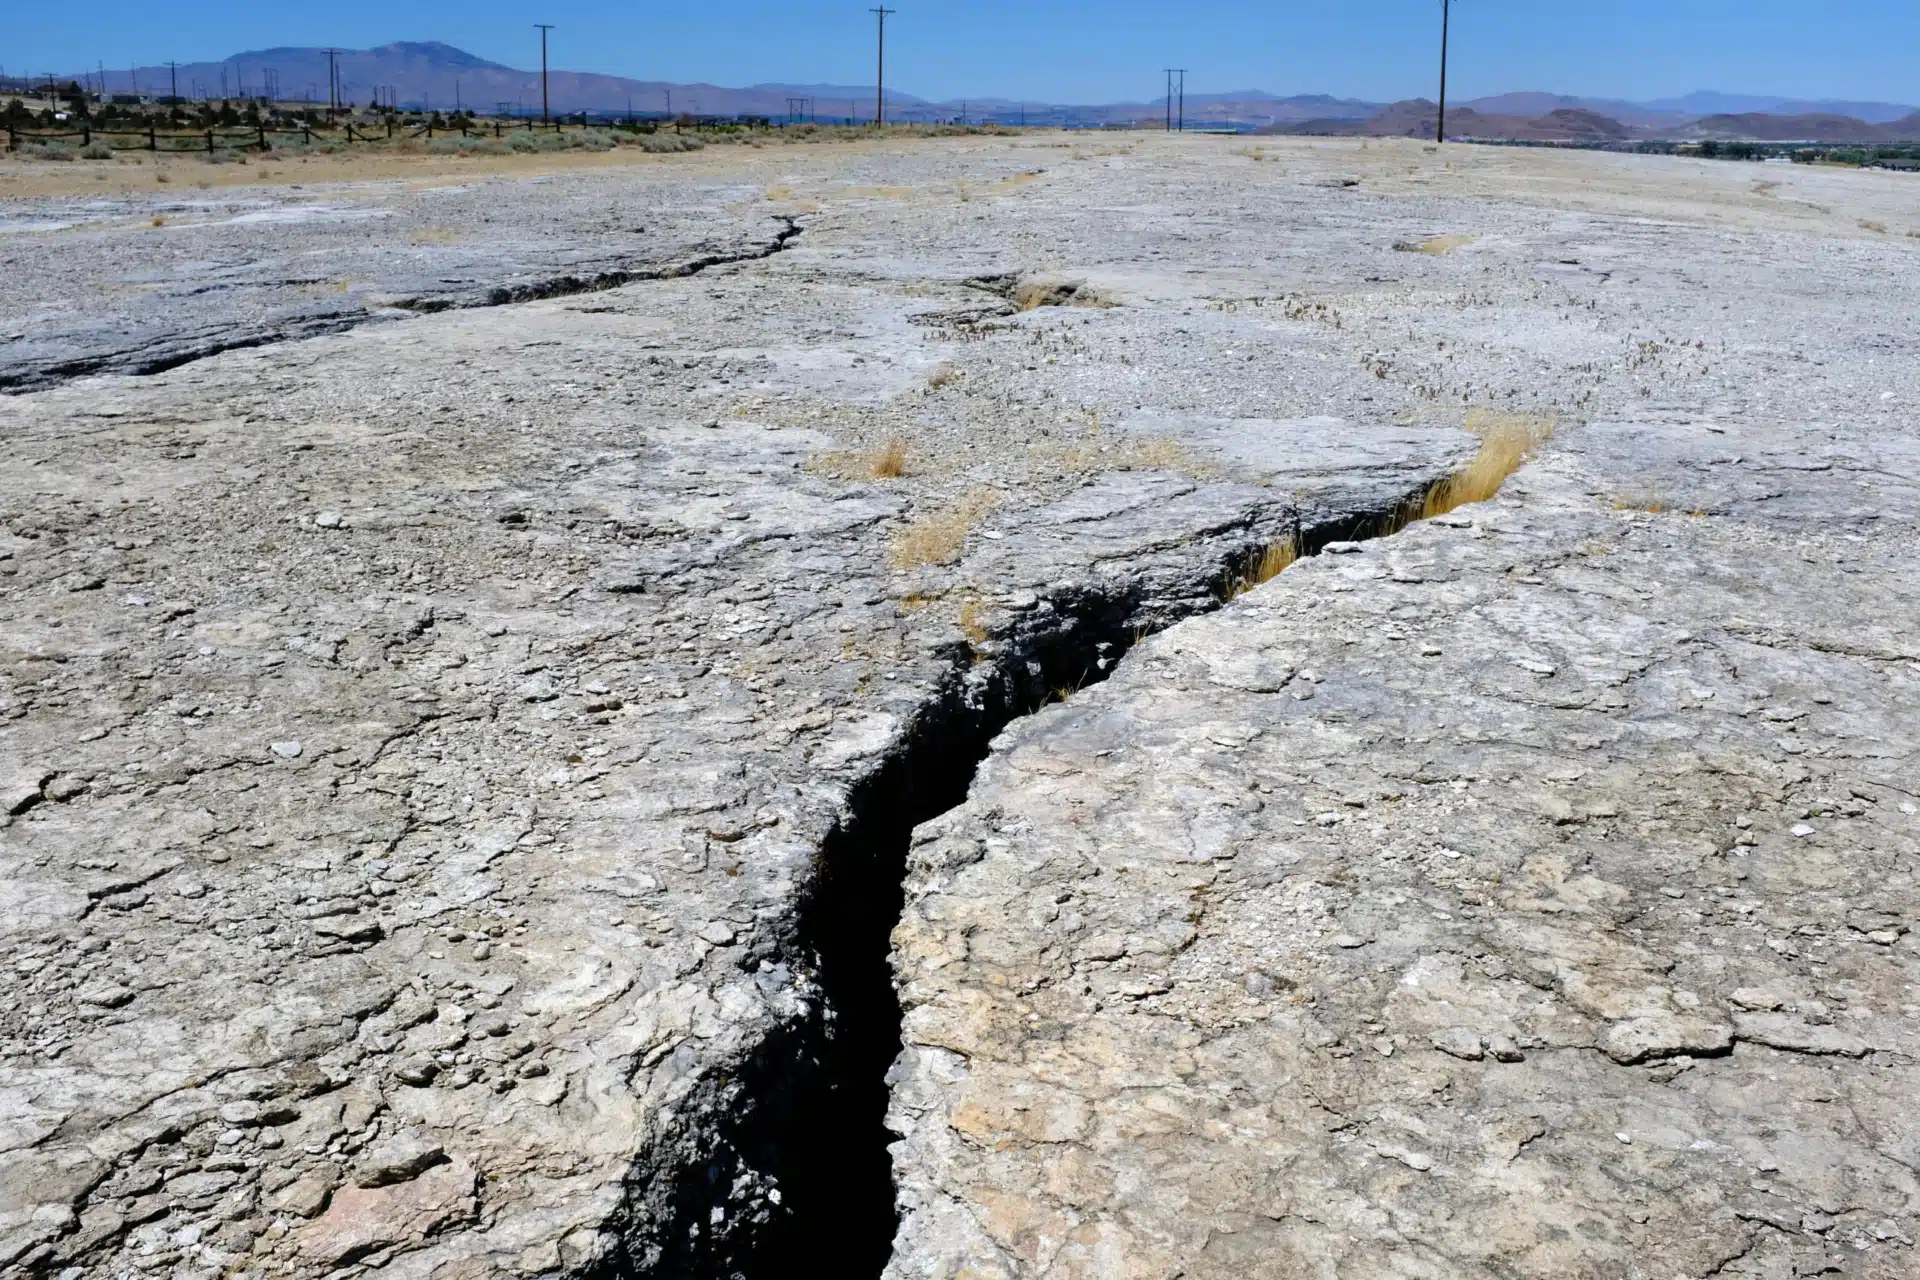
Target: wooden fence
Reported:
[(258, 138)]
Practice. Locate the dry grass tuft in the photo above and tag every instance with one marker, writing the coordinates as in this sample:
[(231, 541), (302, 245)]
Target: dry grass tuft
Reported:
[(1032, 294), (942, 375), (1159, 453), (1878, 228), (973, 621), (937, 538), (1506, 441), (159, 221), (1642, 500), (1275, 560), (889, 462), (779, 193), (1436, 246)]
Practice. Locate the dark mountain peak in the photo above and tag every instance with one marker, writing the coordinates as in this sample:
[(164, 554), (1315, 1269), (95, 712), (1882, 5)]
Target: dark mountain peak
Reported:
[(437, 55)]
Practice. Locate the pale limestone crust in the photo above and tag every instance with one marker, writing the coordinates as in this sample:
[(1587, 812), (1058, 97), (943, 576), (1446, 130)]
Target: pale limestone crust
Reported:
[(1220, 1003), (415, 741)]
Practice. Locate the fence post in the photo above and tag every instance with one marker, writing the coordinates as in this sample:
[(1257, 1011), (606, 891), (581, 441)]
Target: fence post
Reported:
[(263, 139), (307, 132), (153, 139), (86, 134), (11, 144), (209, 142), (389, 128)]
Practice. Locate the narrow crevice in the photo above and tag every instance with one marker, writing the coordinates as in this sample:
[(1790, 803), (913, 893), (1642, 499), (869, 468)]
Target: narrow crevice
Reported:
[(793, 1165), (600, 281), (146, 362)]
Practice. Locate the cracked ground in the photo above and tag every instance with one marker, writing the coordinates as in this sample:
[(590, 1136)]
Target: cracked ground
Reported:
[(427, 702)]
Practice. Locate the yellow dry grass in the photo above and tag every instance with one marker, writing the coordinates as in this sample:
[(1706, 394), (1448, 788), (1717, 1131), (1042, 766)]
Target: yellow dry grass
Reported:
[(938, 537), (889, 461), (1645, 500), (1506, 441), (1275, 559), (1436, 246), (973, 620), (941, 375)]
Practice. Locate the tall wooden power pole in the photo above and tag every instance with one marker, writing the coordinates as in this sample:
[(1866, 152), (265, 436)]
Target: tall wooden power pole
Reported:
[(544, 28), (1440, 129), (880, 74)]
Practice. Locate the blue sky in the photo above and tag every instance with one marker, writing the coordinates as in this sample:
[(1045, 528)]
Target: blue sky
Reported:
[(1067, 50)]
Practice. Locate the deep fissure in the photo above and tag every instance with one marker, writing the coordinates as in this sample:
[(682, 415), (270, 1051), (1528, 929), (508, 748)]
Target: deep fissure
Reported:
[(797, 1167)]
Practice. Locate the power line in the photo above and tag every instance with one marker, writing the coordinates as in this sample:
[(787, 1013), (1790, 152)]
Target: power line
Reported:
[(333, 82), (880, 75), (544, 28)]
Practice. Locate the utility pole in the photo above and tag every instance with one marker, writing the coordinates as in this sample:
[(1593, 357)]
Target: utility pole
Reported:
[(544, 28), (880, 75), (333, 82), (1181, 118), (1440, 129), (1169, 99), (173, 82)]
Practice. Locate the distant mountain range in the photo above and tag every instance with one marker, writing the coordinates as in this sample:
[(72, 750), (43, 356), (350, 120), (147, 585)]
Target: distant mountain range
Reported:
[(435, 75), (1508, 118)]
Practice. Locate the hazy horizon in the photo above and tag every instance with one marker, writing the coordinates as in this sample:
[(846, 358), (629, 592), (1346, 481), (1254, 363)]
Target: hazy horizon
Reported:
[(1073, 51)]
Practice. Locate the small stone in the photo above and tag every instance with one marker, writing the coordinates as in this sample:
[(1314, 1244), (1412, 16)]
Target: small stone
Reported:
[(1801, 831), (1460, 1042), (106, 995), (716, 932), (1347, 941), (1664, 1036), (482, 950), (328, 520), (416, 1071), (241, 1111), (288, 750), (399, 1158), (1503, 1049)]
